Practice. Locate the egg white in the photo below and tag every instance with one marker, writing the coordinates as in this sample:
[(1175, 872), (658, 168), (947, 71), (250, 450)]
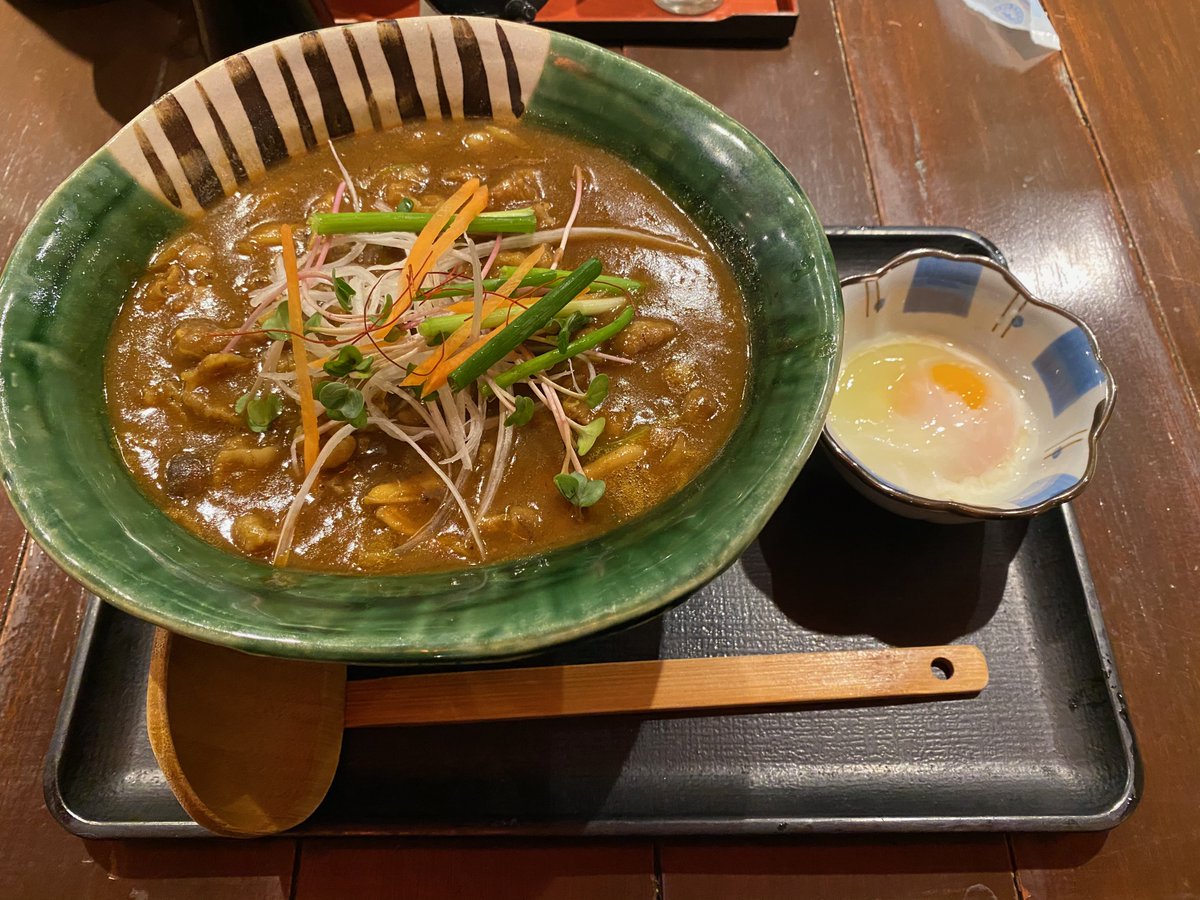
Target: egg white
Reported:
[(933, 419)]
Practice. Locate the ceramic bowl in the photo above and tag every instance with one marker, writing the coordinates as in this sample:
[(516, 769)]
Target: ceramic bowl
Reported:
[(215, 134), (1047, 352)]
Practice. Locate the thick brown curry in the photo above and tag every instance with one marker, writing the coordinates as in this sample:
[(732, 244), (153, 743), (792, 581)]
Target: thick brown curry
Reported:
[(182, 354)]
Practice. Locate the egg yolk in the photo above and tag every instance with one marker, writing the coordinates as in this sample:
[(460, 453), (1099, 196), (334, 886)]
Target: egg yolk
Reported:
[(959, 379)]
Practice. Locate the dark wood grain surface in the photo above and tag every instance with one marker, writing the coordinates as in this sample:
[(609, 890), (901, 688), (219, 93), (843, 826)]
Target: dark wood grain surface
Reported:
[(1083, 166), (424, 870), (949, 868), (1134, 76), (797, 100)]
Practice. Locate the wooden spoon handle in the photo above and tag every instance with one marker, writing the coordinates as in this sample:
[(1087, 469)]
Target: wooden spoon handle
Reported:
[(665, 684)]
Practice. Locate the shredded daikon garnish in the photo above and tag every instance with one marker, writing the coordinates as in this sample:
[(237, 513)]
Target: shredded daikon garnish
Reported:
[(411, 335)]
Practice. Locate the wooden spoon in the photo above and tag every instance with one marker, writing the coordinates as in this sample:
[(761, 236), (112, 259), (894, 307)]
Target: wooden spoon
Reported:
[(249, 744)]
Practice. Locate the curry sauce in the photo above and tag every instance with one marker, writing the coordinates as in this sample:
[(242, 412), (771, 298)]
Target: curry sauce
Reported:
[(173, 382)]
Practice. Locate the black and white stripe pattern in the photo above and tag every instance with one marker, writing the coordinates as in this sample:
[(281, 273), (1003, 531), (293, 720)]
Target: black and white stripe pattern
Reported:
[(226, 126)]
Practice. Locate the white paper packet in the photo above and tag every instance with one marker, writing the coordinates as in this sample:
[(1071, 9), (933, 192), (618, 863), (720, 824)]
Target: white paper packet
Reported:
[(1021, 15)]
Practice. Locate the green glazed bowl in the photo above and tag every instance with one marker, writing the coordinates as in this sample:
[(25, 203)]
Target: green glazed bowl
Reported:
[(71, 270)]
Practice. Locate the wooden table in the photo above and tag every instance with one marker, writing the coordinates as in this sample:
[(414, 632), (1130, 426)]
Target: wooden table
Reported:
[(1083, 166)]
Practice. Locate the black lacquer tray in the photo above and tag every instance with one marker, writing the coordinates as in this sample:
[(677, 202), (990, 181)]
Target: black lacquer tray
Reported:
[(1047, 746)]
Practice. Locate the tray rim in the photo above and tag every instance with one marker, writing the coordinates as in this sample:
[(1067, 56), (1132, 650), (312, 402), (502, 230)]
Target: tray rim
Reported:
[(1102, 820)]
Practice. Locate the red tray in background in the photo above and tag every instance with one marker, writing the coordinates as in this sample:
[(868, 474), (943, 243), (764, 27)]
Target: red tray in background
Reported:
[(626, 21)]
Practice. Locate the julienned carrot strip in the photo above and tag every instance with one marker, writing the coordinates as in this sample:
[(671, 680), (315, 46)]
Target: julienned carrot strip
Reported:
[(433, 241), (308, 406), (455, 230), (417, 258), (524, 326), (448, 347), (467, 305), (439, 220), (448, 364), (519, 273), (507, 287), (448, 359), (429, 366)]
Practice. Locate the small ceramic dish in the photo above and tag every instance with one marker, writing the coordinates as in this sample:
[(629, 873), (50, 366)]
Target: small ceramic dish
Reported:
[(1049, 355)]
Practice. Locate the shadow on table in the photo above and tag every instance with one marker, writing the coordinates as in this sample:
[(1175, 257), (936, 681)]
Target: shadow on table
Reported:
[(497, 772), (836, 563), (138, 49)]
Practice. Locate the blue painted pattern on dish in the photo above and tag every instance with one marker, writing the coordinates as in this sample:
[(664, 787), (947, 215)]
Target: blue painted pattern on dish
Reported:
[(1045, 488), (942, 286), (1068, 369)]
